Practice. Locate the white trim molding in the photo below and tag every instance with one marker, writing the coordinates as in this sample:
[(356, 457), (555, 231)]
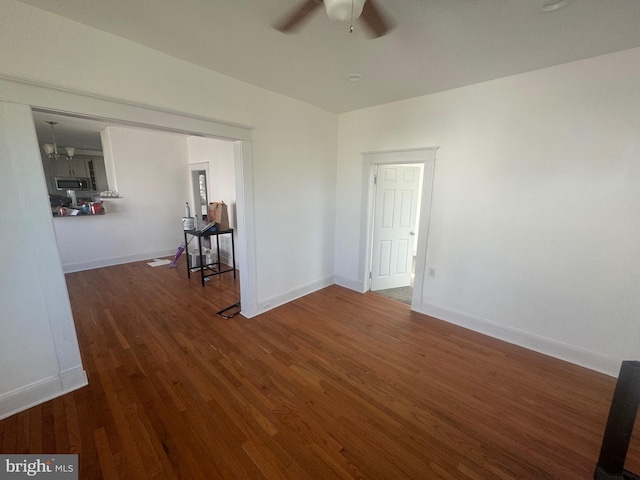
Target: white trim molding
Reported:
[(425, 156), (277, 300), (42, 391), (82, 104), (530, 341)]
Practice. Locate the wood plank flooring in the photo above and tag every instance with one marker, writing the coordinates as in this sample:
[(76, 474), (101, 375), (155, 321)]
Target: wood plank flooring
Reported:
[(336, 385)]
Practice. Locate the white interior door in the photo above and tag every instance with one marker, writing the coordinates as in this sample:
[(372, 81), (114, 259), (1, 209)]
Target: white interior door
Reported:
[(396, 202)]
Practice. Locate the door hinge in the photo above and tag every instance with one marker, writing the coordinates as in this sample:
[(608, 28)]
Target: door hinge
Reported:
[(375, 179)]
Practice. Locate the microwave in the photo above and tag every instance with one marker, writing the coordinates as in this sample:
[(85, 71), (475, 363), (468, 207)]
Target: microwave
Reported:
[(73, 183)]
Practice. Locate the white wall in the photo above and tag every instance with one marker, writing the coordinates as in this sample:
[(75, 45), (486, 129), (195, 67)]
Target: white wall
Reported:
[(293, 145), (151, 172), (39, 356), (534, 228)]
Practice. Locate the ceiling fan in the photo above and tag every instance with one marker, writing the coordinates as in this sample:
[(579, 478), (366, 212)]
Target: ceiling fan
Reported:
[(341, 10)]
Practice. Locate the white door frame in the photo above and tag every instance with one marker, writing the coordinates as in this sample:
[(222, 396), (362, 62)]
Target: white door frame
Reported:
[(425, 156), (120, 112)]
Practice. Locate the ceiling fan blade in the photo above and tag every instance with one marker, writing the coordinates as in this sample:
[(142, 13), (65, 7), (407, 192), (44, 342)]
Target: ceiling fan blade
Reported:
[(375, 20), (297, 17)]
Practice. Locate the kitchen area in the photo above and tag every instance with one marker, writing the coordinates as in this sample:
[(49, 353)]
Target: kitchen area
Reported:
[(73, 165)]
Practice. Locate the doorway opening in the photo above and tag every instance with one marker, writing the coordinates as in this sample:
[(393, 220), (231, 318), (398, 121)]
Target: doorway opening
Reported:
[(397, 198), (396, 209), (238, 160), (212, 174), (200, 197)]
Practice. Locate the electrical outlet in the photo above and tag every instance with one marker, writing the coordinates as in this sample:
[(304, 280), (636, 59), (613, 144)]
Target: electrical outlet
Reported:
[(432, 271)]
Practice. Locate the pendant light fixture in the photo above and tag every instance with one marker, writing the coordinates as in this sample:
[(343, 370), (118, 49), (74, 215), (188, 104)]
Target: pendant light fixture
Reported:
[(51, 149)]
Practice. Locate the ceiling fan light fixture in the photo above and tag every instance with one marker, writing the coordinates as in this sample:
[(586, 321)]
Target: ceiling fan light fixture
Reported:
[(344, 10)]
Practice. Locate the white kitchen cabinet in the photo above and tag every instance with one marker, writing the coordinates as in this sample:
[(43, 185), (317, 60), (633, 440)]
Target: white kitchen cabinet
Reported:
[(76, 167)]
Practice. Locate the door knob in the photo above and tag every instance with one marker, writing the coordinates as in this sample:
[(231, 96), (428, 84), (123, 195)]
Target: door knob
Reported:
[(411, 233)]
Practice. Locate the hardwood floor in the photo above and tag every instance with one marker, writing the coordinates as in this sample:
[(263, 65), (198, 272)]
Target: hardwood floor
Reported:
[(334, 385)]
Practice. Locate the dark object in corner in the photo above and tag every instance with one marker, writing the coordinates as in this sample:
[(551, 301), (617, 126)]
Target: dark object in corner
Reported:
[(617, 433), (230, 312)]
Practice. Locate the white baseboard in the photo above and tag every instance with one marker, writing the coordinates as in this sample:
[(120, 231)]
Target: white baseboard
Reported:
[(546, 346), (108, 262), (301, 291), (569, 353), (250, 310), (42, 391), (349, 283)]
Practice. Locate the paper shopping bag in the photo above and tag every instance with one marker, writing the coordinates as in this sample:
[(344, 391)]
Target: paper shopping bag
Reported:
[(218, 213)]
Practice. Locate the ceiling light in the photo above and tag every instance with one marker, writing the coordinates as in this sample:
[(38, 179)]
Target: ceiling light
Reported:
[(354, 77), (553, 5), (51, 149), (48, 148), (344, 10)]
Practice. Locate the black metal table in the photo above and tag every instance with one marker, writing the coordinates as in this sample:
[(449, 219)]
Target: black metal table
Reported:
[(213, 268)]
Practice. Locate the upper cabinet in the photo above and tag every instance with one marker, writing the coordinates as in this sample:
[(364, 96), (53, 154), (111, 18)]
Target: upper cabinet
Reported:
[(92, 168), (75, 167)]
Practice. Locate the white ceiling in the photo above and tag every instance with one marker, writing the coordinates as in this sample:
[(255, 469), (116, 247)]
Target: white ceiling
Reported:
[(81, 133), (436, 45)]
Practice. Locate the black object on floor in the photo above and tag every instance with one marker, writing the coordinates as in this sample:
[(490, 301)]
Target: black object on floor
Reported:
[(230, 312), (622, 417)]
